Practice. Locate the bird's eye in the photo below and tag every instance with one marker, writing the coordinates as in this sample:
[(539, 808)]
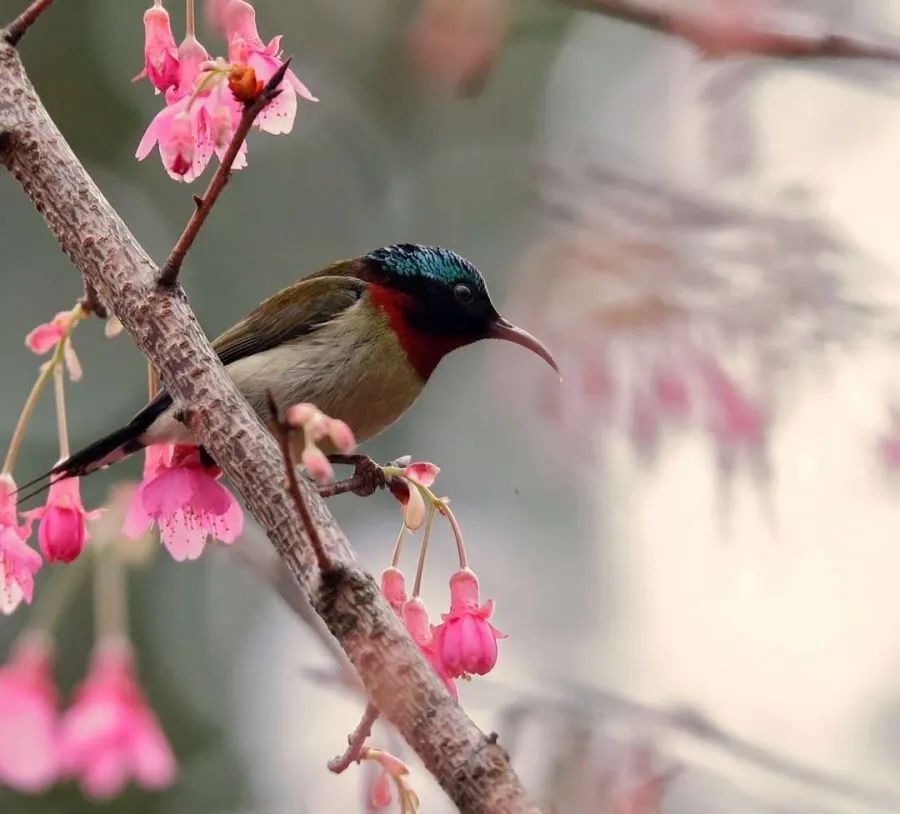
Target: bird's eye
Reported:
[(463, 293)]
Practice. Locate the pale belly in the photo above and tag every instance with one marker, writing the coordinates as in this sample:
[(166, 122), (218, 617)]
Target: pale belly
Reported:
[(368, 384)]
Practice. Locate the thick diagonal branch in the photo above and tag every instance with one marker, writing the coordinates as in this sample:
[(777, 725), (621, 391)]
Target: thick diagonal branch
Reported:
[(474, 771)]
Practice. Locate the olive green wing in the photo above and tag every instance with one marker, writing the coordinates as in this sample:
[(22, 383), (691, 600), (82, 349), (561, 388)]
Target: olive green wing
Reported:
[(288, 315)]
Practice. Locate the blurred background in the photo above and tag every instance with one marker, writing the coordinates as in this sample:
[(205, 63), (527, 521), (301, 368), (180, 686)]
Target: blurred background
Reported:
[(692, 542)]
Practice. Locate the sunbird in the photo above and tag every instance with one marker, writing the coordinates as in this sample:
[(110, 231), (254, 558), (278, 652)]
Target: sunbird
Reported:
[(359, 339)]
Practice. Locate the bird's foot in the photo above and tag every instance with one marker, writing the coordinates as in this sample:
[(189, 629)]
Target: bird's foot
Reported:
[(367, 478)]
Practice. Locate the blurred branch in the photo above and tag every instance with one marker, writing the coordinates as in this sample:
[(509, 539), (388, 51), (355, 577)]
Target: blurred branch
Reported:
[(740, 29), (473, 770)]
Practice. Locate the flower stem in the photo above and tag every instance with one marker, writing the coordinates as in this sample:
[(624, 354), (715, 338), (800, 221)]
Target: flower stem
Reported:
[(420, 567), (152, 380), (398, 546), (31, 402), (56, 597), (189, 18), (59, 392), (457, 533), (110, 596)]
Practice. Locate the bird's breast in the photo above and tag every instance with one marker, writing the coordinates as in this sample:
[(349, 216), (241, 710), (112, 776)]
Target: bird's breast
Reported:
[(352, 368)]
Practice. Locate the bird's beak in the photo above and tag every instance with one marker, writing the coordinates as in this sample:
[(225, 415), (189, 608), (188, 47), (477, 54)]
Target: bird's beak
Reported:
[(503, 329)]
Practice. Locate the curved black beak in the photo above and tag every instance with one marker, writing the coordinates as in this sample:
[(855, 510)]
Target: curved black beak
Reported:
[(503, 329)]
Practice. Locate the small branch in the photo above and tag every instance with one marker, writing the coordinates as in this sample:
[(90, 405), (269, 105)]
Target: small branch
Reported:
[(283, 435), (367, 477), (356, 741), (168, 274), (718, 37), (17, 28)]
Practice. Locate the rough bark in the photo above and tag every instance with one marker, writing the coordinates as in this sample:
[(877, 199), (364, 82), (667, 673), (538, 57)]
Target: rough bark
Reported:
[(472, 768)]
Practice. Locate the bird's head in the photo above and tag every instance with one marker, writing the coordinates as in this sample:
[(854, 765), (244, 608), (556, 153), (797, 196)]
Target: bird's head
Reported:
[(437, 301)]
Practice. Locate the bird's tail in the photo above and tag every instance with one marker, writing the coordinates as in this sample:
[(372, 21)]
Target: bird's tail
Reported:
[(102, 453)]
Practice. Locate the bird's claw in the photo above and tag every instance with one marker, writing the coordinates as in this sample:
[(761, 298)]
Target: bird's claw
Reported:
[(367, 478)]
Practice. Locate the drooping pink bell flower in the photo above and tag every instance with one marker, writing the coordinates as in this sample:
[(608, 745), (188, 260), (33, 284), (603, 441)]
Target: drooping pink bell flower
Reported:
[(46, 336), (186, 500), (160, 50), (29, 758), (18, 561), (393, 588), (181, 128), (62, 532), (245, 47), (466, 642), (110, 736), (415, 617)]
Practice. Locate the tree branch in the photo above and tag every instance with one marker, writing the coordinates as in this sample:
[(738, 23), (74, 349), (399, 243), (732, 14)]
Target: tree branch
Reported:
[(168, 275), (716, 36), (356, 741), (474, 772), (17, 28)]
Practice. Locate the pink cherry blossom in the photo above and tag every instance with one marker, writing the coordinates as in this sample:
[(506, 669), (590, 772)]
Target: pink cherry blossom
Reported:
[(415, 617), (160, 51), (181, 128), (245, 47), (318, 427), (29, 760), (414, 509), (393, 770), (18, 561), (381, 791), (62, 532), (186, 500), (46, 336), (466, 642), (110, 735), (393, 587)]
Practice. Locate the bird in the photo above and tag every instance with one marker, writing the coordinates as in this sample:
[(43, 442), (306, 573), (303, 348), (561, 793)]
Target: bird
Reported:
[(359, 339)]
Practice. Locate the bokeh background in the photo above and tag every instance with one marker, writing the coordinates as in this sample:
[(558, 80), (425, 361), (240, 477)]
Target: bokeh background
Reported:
[(692, 542)]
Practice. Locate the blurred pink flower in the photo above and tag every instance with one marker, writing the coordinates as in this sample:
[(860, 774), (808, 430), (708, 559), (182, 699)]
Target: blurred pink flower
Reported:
[(160, 51), (316, 427), (466, 642), (393, 770), (381, 790), (415, 617), (62, 532), (181, 129), (18, 561), (245, 47), (29, 760), (46, 336), (185, 499), (110, 735)]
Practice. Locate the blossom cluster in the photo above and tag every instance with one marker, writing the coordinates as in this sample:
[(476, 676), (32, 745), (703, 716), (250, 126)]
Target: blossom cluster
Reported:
[(205, 96), (107, 737)]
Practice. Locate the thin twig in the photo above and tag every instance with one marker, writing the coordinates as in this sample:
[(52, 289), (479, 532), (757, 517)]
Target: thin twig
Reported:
[(716, 39), (356, 741), (17, 28), (282, 434), (168, 274)]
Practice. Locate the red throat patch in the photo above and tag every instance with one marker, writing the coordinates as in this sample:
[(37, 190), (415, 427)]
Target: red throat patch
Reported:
[(423, 350)]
